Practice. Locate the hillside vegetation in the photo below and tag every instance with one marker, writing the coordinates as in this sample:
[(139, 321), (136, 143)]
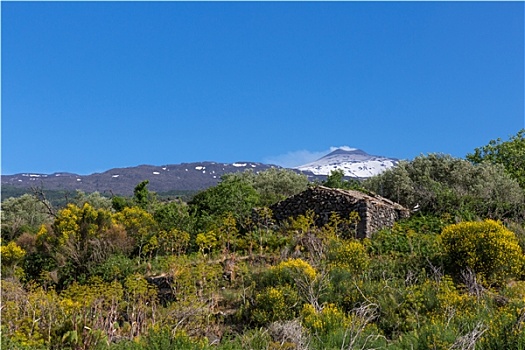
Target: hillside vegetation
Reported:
[(150, 273)]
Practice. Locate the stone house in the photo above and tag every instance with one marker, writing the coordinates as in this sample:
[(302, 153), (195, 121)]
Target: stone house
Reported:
[(375, 212)]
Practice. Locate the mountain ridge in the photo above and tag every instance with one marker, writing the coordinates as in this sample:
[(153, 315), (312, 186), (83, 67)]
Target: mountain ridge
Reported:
[(193, 176)]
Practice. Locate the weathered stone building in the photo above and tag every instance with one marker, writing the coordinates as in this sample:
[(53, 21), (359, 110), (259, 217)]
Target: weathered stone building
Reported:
[(375, 212)]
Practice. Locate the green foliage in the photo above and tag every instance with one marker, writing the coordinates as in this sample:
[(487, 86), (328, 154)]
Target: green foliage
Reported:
[(166, 339), (173, 215), (403, 241), (338, 227), (174, 241), (224, 236), (231, 195), (15, 344), (302, 223), (119, 203), (56, 198), (275, 304), (256, 339), (332, 328), (23, 214), (116, 267), (441, 184), (510, 154), (94, 199), (139, 225), (336, 180), (424, 224), (142, 197), (487, 248), (272, 185), (206, 241)]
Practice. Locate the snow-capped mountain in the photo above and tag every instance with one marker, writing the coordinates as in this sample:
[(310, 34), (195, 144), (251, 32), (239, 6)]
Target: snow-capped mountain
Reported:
[(354, 162), (193, 176)]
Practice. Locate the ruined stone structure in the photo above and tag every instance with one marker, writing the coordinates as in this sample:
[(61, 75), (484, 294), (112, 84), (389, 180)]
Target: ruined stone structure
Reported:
[(375, 212)]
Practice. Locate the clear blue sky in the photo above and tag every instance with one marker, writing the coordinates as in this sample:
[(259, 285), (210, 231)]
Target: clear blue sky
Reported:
[(95, 85)]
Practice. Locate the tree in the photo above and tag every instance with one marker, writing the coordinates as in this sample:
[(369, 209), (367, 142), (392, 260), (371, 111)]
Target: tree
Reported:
[(139, 225), (272, 185), (79, 239), (118, 203), (510, 154), (231, 195), (336, 180), (82, 237), (440, 184), (95, 199), (142, 196), (173, 215), (23, 214)]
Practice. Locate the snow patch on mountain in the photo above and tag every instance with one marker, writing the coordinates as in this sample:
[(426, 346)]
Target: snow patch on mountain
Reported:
[(354, 162)]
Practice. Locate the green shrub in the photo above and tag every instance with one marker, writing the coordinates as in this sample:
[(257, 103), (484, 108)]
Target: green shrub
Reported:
[(440, 184), (275, 304), (116, 267)]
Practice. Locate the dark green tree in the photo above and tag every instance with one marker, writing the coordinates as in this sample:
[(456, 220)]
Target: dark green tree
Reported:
[(174, 214), (142, 197), (231, 195), (510, 154), (336, 179), (119, 203)]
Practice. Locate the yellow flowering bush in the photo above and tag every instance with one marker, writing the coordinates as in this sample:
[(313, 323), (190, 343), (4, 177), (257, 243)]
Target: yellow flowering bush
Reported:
[(206, 241), (325, 321), (138, 223), (67, 222), (293, 268), (303, 223), (348, 255), (11, 253), (487, 248)]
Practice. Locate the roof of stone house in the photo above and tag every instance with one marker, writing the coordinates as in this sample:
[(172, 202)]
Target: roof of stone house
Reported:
[(372, 197)]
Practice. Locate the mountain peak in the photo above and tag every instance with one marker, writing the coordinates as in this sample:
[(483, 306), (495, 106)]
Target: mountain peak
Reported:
[(353, 161), (345, 151)]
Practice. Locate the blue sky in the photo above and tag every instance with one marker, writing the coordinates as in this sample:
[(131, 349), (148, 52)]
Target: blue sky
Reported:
[(91, 86)]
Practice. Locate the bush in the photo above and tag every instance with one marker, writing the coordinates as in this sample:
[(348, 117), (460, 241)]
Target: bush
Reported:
[(487, 248), (511, 154), (287, 272), (348, 255), (441, 184), (275, 304)]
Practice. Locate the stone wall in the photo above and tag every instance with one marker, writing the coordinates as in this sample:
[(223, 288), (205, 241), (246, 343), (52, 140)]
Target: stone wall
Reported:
[(375, 212)]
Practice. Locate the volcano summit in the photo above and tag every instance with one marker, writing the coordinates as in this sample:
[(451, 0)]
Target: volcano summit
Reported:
[(354, 162)]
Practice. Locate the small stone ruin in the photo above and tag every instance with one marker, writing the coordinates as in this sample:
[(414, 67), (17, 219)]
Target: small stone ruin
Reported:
[(375, 212)]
